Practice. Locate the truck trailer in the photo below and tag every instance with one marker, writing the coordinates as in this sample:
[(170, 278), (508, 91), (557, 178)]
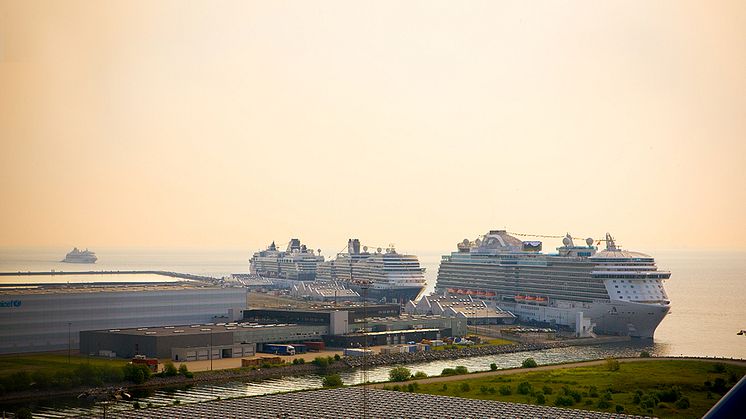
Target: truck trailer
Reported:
[(278, 349)]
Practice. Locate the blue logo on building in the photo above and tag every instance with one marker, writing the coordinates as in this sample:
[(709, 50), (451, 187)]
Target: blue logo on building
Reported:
[(10, 303)]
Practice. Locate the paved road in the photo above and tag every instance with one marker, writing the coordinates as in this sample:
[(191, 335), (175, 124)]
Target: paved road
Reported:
[(554, 367)]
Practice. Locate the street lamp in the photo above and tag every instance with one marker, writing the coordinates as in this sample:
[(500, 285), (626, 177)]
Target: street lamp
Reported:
[(69, 345), (210, 349)]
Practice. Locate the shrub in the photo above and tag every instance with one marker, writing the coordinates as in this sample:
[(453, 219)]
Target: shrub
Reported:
[(333, 380), (395, 387), (184, 370), (336, 357), (465, 387), (547, 390), (505, 390), (169, 369), (524, 388), (420, 374), (540, 398), (399, 374), (670, 394), (567, 391), (462, 370), (444, 387), (412, 387), (718, 368), (592, 391), (648, 401), (719, 386), (643, 354), (493, 367), (603, 404), (529, 363), (682, 403), (619, 408), (136, 405), (448, 371), (177, 401), (561, 400), (612, 364)]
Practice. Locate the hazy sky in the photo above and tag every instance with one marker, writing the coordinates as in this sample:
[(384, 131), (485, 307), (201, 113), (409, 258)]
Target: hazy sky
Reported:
[(231, 124)]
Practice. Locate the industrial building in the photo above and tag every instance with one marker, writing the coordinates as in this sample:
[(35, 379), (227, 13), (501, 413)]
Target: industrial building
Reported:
[(49, 317), (194, 342)]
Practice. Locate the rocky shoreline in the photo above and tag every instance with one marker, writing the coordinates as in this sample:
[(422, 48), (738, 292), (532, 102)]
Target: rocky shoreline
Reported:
[(465, 352)]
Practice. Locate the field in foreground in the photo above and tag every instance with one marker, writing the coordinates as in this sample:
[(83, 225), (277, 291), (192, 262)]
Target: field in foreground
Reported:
[(662, 388)]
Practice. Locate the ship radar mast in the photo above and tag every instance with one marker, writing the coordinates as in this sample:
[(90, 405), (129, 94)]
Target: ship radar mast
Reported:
[(610, 244)]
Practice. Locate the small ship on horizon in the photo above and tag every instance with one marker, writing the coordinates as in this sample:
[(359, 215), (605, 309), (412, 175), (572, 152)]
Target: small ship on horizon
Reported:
[(80, 256)]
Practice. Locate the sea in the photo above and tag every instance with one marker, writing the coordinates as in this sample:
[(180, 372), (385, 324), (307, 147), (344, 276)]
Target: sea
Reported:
[(706, 291)]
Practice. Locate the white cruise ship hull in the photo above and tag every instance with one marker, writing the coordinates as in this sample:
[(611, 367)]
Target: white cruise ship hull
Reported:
[(621, 318)]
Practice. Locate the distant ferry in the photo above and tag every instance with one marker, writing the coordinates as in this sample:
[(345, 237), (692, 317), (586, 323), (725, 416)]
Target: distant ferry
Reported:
[(297, 262), (390, 276), (80, 256), (620, 291)]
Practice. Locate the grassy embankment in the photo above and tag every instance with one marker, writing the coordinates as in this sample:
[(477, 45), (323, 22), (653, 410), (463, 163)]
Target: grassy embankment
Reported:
[(50, 363), (656, 388)]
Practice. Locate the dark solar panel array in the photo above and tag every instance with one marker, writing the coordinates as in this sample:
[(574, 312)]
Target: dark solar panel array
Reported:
[(348, 403)]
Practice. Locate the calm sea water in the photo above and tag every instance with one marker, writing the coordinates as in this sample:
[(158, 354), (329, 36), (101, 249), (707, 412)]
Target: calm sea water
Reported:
[(706, 288)]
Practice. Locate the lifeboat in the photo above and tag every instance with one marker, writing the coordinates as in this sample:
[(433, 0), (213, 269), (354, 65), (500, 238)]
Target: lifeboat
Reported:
[(459, 291), (490, 294), (541, 300), (530, 298), (481, 293), (471, 292), (452, 290), (519, 298)]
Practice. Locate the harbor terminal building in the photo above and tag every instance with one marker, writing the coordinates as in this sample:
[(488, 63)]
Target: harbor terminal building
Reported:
[(50, 317)]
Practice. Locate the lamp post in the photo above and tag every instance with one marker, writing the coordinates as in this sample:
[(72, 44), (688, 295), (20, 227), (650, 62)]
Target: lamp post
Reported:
[(69, 345), (210, 349)]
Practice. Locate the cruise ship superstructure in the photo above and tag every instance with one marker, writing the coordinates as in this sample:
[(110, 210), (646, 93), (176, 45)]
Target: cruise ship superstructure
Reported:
[(297, 262), (620, 291), (386, 274), (80, 256)]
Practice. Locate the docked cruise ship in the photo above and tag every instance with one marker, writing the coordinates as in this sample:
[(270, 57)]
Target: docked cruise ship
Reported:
[(297, 262), (620, 291), (80, 256), (386, 275)]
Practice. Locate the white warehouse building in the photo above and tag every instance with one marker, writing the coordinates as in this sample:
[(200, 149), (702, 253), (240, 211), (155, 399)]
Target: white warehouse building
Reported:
[(49, 318)]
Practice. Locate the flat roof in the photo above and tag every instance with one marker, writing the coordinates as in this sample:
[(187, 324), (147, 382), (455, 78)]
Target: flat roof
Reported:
[(193, 329), (348, 403), (94, 288)]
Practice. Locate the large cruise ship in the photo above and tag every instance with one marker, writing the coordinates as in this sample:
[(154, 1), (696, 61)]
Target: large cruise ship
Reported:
[(386, 275), (80, 256), (620, 291), (297, 262)]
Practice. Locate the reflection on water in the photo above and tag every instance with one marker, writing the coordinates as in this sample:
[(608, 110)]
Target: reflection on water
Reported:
[(205, 392)]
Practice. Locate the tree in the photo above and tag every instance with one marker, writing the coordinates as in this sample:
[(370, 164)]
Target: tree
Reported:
[(399, 374), (183, 370), (524, 387), (420, 374), (529, 363), (462, 370), (332, 381), (169, 369), (643, 354), (493, 366)]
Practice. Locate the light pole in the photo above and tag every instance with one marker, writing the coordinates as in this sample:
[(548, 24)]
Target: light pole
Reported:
[(69, 345), (210, 349)]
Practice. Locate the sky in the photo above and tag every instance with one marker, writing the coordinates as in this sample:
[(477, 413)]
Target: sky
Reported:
[(421, 123)]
